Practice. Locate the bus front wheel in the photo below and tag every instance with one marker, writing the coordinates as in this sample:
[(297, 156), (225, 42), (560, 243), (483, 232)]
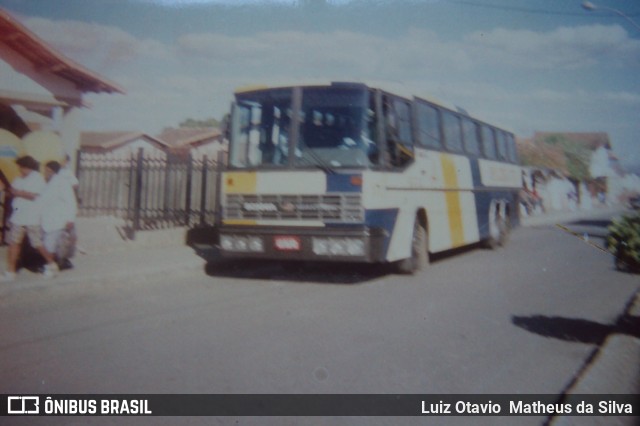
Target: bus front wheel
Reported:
[(419, 251)]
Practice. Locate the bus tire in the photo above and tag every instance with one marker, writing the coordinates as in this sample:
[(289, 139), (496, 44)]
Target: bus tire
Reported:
[(498, 226), (419, 251)]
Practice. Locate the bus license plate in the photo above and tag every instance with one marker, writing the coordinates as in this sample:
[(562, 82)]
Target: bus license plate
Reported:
[(287, 243)]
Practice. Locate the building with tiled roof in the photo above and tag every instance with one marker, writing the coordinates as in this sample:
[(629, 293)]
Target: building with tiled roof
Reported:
[(590, 140), (566, 152), (585, 158), (198, 141), (38, 81), (536, 154), (122, 144)]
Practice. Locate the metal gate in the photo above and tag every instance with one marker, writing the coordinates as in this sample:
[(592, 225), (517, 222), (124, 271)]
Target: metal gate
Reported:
[(151, 192)]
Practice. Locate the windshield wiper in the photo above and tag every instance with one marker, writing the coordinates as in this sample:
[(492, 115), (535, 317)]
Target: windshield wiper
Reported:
[(319, 162)]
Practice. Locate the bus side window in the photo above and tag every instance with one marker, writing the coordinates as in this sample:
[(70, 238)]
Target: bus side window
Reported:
[(512, 149), (502, 146), (246, 132), (470, 133), (488, 142), (398, 130), (452, 131), (428, 126)]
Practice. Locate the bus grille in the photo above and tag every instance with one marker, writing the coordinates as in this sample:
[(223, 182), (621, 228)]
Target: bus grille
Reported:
[(329, 208)]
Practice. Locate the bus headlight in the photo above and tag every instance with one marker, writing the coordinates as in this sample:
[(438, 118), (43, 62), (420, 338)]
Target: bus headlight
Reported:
[(241, 243), (338, 246), (255, 244)]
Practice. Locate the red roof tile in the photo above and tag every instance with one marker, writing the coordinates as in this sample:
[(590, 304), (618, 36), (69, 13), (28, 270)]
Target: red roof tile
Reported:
[(183, 137), (25, 43), (111, 140)]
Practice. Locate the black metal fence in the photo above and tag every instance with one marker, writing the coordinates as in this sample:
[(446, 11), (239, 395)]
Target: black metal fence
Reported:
[(151, 192)]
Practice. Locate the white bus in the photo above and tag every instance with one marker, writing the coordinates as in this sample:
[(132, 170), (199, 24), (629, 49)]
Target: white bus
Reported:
[(345, 172)]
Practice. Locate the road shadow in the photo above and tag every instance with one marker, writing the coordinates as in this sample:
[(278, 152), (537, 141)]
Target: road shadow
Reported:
[(578, 330), (594, 228), (603, 223), (309, 271), (298, 271)]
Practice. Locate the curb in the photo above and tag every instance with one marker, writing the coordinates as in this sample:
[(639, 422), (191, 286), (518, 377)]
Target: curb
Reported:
[(131, 265), (613, 370), (102, 235), (552, 218)]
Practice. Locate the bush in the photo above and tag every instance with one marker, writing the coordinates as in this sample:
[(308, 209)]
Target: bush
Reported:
[(623, 241)]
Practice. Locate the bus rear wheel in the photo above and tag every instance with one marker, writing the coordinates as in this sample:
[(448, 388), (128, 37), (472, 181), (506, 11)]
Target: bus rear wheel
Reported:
[(419, 251), (498, 226)]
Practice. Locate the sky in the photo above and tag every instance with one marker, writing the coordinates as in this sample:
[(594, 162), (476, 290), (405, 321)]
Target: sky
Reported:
[(544, 65)]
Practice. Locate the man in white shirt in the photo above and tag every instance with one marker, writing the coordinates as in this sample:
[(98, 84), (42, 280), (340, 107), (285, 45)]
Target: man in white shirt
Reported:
[(25, 217), (58, 209)]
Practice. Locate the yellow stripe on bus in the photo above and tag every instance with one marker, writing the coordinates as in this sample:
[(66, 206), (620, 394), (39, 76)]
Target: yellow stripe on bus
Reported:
[(239, 222), (452, 197), (240, 183)]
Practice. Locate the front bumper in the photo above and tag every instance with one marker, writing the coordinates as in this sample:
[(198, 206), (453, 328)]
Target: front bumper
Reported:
[(261, 242)]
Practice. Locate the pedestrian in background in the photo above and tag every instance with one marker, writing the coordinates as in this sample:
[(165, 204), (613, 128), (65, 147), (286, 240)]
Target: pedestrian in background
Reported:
[(58, 209), (71, 235), (67, 173), (25, 217)]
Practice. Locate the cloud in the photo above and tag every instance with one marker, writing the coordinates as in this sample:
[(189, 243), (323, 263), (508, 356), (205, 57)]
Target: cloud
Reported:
[(182, 3), (343, 54), (622, 98), (562, 48), (520, 79), (336, 53), (415, 53), (96, 46), (595, 98)]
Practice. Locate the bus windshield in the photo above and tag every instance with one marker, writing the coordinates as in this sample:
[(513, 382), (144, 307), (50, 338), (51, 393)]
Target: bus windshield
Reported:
[(335, 127)]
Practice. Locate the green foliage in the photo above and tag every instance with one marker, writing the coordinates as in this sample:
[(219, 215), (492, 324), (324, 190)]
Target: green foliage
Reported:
[(554, 139), (577, 165), (578, 156), (193, 123), (623, 241)]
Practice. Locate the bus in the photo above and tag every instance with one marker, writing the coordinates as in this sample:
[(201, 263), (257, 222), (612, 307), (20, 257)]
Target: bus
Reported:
[(347, 172)]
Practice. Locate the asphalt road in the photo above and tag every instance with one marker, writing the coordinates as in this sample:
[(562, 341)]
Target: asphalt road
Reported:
[(520, 319)]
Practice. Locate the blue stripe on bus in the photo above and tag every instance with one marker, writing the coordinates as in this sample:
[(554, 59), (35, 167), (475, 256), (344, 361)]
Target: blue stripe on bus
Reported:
[(385, 219), (484, 196), (475, 172), (483, 202), (343, 183)]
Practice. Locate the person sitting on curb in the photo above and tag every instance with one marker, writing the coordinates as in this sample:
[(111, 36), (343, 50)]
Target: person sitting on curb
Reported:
[(58, 209), (25, 217)]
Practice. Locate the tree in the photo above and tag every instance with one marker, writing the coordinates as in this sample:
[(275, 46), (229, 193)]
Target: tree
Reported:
[(577, 155), (191, 123)]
